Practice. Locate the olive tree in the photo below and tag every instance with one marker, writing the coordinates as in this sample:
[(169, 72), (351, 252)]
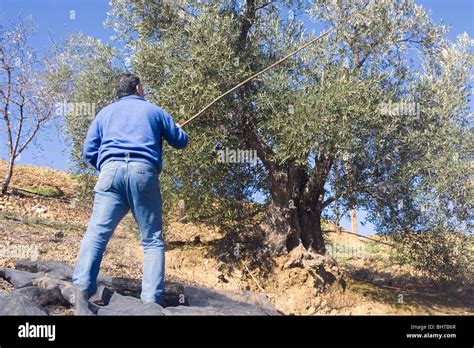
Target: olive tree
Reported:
[(374, 116), (81, 76)]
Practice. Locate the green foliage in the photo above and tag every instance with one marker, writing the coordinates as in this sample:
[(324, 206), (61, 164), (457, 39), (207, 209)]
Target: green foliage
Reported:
[(83, 186), (82, 75), (442, 255), (52, 192), (410, 171), (335, 89)]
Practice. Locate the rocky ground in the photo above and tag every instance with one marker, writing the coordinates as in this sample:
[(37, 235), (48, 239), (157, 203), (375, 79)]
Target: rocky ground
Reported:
[(36, 227)]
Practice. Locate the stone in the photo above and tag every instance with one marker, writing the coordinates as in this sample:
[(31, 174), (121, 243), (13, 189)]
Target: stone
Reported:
[(58, 234), (40, 210)]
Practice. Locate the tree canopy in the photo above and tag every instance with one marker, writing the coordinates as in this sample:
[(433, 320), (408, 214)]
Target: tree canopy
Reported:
[(375, 116)]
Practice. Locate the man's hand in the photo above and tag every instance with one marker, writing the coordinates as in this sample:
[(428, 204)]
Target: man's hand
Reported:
[(178, 125)]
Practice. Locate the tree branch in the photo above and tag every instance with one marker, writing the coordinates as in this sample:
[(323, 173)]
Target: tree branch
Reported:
[(20, 124), (6, 118)]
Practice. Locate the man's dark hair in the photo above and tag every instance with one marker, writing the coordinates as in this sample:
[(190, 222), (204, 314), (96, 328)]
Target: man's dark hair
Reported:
[(126, 84)]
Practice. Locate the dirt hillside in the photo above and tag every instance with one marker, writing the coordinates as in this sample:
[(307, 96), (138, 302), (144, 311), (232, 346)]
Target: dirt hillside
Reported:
[(38, 218)]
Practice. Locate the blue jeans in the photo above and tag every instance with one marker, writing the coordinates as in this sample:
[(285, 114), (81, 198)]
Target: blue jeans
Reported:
[(124, 185)]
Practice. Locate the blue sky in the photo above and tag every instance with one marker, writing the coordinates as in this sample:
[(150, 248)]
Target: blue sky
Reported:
[(56, 19)]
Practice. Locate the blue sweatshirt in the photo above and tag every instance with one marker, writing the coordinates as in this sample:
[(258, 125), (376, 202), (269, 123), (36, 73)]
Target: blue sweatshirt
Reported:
[(131, 128)]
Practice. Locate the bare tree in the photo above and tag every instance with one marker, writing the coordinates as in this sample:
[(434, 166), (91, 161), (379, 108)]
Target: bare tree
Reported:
[(25, 103)]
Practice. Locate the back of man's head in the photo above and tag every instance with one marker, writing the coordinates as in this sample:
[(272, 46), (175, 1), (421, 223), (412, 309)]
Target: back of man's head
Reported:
[(126, 84)]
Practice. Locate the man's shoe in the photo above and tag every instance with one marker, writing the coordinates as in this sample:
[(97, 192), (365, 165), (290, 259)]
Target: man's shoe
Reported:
[(82, 306)]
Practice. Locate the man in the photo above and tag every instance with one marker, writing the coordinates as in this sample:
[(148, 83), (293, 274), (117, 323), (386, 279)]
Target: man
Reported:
[(124, 143)]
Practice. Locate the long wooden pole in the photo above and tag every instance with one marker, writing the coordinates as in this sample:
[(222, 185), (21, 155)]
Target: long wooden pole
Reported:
[(256, 75)]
